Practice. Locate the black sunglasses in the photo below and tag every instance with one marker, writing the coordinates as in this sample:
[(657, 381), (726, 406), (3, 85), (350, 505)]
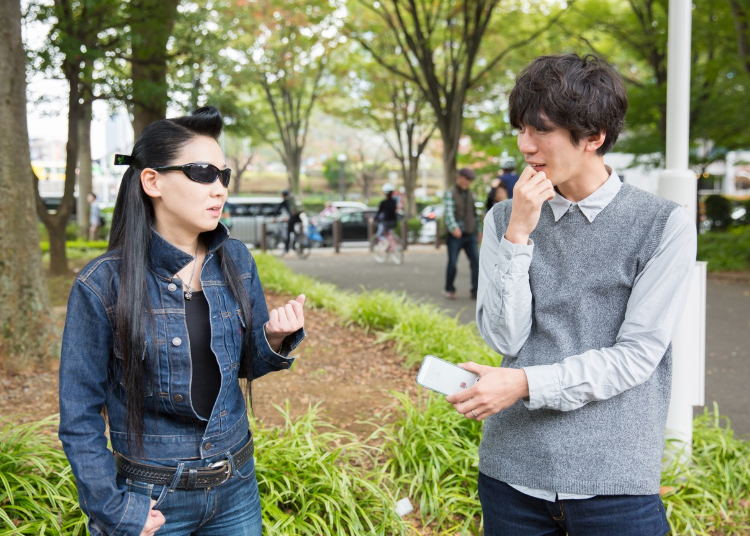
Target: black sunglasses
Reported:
[(202, 173)]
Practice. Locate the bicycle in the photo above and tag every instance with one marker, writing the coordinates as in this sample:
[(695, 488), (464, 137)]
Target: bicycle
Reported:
[(388, 246), (301, 241)]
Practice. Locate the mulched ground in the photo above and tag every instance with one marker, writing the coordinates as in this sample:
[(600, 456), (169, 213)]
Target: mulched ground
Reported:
[(341, 367)]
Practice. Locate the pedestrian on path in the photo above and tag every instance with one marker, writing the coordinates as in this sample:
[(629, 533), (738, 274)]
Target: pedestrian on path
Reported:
[(582, 282), (464, 231), (158, 333)]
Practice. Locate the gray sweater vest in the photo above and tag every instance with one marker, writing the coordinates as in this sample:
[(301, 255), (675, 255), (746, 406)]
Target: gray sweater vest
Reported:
[(581, 276)]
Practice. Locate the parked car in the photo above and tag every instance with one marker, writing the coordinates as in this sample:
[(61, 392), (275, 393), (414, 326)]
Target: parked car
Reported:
[(248, 215), (349, 205), (353, 225)]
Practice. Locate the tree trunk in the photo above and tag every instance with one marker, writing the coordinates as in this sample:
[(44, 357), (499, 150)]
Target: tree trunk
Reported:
[(28, 333), (293, 165), (56, 223), (410, 183), (85, 182), (151, 25), (450, 149)]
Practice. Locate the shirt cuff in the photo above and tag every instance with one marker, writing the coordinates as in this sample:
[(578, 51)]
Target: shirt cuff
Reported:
[(515, 258), (544, 387)]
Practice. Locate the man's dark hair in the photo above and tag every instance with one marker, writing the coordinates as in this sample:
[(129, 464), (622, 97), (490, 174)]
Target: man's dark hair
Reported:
[(584, 95)]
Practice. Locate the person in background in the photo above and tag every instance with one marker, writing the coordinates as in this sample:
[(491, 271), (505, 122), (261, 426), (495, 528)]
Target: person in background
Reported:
[(509, 177), (464, 231), (329, 210), (95, 216), (290, 206), (498, 193), (387, 216)]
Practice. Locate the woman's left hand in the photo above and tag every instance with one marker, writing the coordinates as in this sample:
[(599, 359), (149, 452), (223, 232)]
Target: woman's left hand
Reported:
[(284, 321)]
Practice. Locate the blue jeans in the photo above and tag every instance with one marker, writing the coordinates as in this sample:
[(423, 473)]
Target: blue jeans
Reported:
[(231, 509), (508, 512), (468, 243)]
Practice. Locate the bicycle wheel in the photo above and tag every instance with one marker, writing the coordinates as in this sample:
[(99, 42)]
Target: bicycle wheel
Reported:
[(302, 246), (397, 251), (379, 249)]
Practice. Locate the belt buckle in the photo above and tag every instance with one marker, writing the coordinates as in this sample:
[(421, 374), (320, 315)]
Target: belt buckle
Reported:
[(228, 469)]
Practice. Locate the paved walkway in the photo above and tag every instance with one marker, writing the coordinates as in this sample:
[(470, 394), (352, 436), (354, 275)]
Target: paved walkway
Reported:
[(422, 276)]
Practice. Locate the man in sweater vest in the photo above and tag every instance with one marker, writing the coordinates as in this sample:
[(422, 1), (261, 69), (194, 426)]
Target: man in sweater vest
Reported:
[(463, 227), (582, 282)]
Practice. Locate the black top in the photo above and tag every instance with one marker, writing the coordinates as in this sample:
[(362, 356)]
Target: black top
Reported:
[(388, 210), (206, 380)]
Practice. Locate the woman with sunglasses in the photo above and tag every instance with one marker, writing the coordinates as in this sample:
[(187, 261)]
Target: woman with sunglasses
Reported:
[(158, 334)]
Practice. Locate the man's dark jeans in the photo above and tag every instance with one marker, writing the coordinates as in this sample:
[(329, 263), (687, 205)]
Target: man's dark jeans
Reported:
[(508, 512), (467, 242)]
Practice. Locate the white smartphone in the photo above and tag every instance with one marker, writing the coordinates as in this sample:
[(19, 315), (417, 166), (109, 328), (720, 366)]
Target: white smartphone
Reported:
[(444, 377)]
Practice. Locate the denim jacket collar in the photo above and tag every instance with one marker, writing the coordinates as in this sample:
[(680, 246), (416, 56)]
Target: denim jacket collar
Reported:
[(166, 259)]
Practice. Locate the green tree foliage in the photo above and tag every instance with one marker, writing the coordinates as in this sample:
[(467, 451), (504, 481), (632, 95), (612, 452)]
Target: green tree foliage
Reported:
[(440, 48), (78, 40), (279, 50), (393, 107), (634, 37)]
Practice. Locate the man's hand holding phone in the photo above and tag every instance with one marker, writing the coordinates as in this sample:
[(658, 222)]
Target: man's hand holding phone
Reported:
[(530, 192), (497, 389)]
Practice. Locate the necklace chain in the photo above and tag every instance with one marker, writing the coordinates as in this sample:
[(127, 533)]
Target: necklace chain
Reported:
[(190, 290)]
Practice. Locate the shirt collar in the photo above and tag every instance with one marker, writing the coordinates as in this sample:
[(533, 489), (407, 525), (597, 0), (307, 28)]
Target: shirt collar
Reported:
[(166, 259), (594, 203)]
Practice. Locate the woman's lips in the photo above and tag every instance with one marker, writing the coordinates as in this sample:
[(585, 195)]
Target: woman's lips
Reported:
[(215, 212)]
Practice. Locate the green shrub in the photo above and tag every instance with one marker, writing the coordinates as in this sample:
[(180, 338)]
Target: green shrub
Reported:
[(38, 494), (725, 251), (710, 493), (719, 212), (432, 456), (316, 479)]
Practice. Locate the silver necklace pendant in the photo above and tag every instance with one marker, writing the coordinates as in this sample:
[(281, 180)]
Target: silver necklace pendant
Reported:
[(189, 294)]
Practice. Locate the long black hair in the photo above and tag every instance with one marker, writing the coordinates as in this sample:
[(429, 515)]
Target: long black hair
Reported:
[(132, 222)]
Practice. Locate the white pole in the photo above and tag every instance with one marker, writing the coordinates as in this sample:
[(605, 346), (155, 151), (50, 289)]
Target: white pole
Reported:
[(678, 183)]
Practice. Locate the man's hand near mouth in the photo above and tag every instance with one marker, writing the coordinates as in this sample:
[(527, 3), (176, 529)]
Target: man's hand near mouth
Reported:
[(531, 191)]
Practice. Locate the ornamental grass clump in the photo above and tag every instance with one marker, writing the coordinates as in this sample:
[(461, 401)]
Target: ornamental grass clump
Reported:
[(432, 456), (710, 494), (38, 493), (316, 479)]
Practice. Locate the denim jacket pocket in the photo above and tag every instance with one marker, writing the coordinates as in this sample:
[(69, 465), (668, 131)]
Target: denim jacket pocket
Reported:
[(148, 387), (234, 332)]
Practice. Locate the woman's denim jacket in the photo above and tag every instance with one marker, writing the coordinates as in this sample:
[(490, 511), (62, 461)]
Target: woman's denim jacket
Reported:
[(91, 374)]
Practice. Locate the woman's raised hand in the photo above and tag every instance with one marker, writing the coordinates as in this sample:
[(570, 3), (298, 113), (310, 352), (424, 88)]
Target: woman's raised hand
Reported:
[(284, 321)]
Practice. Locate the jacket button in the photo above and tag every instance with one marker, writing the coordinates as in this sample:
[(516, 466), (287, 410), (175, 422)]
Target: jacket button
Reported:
[(208, 446), (178, 398), (171, 287), (176, 341)]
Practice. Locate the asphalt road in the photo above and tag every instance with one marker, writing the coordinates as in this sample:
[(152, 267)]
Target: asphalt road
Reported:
[(422, 276)]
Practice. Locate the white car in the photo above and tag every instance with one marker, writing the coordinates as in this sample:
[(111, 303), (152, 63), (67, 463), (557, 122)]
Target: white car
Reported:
[(349, 205)]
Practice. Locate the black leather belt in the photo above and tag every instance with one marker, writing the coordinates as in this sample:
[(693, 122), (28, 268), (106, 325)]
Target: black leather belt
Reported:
[(191, 478)]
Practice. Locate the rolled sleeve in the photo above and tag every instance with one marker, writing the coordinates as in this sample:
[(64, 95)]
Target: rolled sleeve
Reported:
[(544, 387)]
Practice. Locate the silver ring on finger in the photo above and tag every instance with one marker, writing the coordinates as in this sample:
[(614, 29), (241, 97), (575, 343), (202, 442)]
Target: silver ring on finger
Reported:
[(475, 415)]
